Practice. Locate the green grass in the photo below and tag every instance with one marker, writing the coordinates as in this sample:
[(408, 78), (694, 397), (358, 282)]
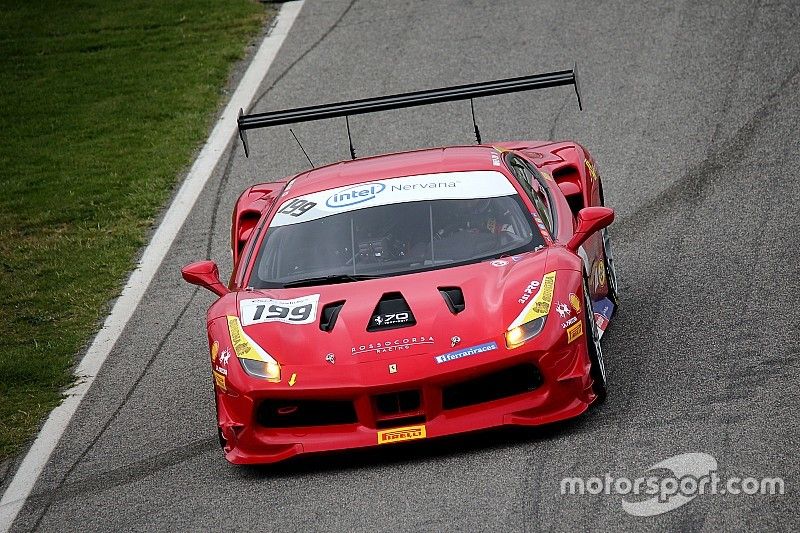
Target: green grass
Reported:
[(103, 104)]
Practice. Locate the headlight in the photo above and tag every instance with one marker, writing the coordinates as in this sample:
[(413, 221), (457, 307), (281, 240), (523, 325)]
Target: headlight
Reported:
[(530, 321), (519, 335), (254, 359), (270, 371)]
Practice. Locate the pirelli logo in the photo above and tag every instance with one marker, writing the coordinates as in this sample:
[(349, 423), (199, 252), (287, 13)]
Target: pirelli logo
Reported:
[(387, 436), (573, 332)]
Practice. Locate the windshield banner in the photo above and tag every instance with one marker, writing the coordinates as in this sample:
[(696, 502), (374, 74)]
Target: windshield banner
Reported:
[(445, 186)]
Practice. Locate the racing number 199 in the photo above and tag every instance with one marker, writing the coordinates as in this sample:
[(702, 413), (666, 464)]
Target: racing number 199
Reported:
[(293, 314), (297, 207)]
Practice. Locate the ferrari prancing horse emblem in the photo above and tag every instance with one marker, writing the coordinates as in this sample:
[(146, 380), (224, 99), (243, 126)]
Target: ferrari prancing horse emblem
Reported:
[(393, 368)]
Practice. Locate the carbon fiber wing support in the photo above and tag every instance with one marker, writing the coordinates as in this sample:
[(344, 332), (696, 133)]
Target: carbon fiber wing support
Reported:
[(400, 101)]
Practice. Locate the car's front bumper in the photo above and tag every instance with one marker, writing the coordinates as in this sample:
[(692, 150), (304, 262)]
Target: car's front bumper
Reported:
[(511, 387)]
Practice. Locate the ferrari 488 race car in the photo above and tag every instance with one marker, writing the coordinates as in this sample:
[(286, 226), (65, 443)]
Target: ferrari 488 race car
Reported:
[(411, 295)]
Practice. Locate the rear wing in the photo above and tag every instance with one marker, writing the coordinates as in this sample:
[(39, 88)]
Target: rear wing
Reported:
[(412, 99)]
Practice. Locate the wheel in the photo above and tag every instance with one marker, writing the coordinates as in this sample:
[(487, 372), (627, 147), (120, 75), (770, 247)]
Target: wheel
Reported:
[(611, 272), (598, 368)]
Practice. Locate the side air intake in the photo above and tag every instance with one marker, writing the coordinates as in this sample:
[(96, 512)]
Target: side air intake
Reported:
[(454, 299)]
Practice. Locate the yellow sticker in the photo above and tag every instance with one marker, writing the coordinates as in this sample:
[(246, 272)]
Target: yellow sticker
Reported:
[(219, 379), (540, 304), (387, 436), (575, 301), (241, 345), (573, 332), (293, 379), (214, 351)]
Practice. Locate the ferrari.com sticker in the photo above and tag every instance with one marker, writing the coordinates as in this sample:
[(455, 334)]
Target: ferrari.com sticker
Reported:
[(465, 352), (301, 310), (387, 436), (573, 332)]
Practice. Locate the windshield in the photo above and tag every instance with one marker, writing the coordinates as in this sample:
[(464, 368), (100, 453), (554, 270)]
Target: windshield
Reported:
[(361, 232)]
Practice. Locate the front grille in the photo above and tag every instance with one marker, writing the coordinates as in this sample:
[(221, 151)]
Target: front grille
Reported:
[(395, 403), (501, 384), (294, 413)]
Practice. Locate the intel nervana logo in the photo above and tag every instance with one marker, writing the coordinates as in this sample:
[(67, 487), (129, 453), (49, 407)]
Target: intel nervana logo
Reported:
[(363, 192)]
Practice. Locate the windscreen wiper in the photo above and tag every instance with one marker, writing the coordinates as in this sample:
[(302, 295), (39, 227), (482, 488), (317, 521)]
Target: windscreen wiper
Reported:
[(328, 280)]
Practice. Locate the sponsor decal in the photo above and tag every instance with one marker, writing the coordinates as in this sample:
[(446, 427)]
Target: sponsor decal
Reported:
[(246, 348), (331, 358), (499, 263), (540, 303), (542, 227), (302, 310), (599, 274), (224, 357), (563, 309), (444, 186), (391, 318), (221, 370), (601, 321), (526, 294), (602, 315), (454, 340), (296, 207), (293, 379), (495, 159), (592, 170), (568, 323), (214, 351), (574, 332), (393, 368), (356, 194), (575, 302), (394, 345), (388, 436), (219, 379), (465, 352)]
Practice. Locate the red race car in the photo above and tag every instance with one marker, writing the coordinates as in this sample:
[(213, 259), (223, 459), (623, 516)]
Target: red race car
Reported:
[(411, 295)]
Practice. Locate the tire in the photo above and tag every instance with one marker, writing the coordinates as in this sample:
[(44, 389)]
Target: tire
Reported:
[(598, 369)]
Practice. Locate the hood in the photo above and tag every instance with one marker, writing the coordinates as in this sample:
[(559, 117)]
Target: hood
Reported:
[(400, 315)]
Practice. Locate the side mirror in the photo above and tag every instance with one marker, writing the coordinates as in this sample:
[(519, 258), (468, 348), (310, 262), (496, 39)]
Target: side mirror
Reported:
[(205, 274), (590, 219)]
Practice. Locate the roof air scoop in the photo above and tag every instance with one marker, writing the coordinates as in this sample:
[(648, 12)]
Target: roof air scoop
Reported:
[(392, 312)]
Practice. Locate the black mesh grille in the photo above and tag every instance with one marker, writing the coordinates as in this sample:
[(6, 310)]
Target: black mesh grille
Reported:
[(500, 384), (293, 413)]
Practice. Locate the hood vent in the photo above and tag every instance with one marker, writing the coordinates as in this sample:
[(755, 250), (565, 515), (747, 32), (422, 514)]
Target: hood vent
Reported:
[(329, 314), (392, 312), (454, 299)]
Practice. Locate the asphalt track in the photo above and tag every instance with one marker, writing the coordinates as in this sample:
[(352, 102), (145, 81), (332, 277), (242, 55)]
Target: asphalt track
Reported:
[(692, 113)]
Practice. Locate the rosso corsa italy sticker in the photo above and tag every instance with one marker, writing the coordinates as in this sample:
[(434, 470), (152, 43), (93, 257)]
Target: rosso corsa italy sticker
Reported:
[(387, 436), (301, 310)]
